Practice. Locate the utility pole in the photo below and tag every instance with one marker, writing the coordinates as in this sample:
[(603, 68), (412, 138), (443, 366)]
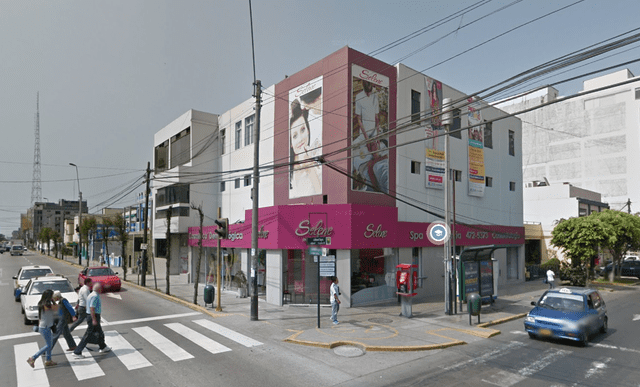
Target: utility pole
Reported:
[(629, 205), (256, 181), (446, 121), (143, 280), (218, 269)]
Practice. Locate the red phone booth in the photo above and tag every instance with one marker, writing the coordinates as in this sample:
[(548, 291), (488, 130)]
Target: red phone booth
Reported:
[(407, 279)]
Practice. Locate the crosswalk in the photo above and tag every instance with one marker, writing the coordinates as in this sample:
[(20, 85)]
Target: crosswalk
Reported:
[(131, 357)]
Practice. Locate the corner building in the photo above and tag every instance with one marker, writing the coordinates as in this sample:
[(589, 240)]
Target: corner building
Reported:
[(353, 140)]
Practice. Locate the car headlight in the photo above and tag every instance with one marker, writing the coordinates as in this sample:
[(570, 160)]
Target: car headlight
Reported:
[(33, 307), (529, 319)]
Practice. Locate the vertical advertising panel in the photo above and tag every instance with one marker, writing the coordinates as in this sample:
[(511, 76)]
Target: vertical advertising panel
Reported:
[(370, 131), (305, 139), (476, 150), (434, 143)]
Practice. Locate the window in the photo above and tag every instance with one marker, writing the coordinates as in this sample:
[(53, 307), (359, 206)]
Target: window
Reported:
[(177, 193), (512, 143), (457, 124), (456, 175), (223, 186), (415, 106), (488, 181), (237, 183), (223, 138), (181, 148), (637, 92), (512, 186), (247, 180), (238, 134), (162, 156), (175, 211), (248, 130), (488, 135), (415, 167)]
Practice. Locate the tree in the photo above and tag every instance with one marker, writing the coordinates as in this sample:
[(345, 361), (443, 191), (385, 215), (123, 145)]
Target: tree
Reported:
[(55, 237), (624, 235), (45, 237), (120, 227), (88, 226), (106, 228), (169, 212), (197, 281)]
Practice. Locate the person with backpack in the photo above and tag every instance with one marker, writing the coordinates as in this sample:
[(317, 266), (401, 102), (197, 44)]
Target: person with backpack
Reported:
[(66, 316)]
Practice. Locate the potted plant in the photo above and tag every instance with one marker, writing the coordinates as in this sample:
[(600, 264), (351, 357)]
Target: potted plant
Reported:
[(241, 281)]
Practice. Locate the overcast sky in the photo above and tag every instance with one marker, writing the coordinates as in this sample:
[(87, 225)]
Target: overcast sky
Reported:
[(112, 73)]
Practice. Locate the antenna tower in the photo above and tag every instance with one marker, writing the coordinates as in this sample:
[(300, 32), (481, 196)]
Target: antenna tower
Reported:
[(36, 181)]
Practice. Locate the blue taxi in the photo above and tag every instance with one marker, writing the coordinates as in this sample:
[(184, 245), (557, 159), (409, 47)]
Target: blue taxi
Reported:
[(567, 313)]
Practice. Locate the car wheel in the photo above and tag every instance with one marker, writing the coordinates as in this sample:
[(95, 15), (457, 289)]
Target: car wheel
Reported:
[(26, 320), (605, 325), (531, 335), (585, 340), (22, 309)]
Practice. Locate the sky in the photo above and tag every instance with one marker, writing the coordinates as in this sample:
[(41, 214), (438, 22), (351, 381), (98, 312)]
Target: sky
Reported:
[(110, 74)]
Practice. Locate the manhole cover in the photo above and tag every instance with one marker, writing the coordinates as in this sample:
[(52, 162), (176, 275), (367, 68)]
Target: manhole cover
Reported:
[(348, 351), (378, 320)]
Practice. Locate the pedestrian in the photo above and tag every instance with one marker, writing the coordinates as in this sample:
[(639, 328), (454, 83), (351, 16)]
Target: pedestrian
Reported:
[(334, 292), (551, 276), (66, 315), (46, 312), (94, 333), (81, 314)]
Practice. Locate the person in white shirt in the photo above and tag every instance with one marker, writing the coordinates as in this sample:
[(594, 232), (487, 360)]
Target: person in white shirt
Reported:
[(551, 276), (334, 292), (81, 313)]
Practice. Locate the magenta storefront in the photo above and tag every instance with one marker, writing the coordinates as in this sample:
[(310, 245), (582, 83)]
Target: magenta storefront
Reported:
[(358, 235)]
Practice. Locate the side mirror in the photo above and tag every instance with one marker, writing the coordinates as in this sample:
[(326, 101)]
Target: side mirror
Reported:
[(116, 273), (15, 277), (533, 303)]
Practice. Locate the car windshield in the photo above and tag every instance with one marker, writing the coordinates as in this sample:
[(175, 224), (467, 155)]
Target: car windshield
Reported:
[(563, 302), (40, 286), (99, 272), (28, 274)]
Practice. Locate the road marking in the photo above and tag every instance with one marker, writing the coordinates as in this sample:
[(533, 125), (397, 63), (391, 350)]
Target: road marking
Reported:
[(228, 333), (166, 346), (28, 377), (200, 339), (614, 347), (597, 367), (502, 350), (636, 317), (126, 353), (113, 295), (84, 369), (507, 379)]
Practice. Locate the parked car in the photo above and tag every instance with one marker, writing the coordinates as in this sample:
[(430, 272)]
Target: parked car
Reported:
[(25, 273), (567, 313), (628, 269), (16, 250), (32, 292), (101, 274)]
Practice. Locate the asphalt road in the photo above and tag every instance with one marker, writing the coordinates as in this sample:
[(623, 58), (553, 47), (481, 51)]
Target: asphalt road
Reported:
[(160, 343)]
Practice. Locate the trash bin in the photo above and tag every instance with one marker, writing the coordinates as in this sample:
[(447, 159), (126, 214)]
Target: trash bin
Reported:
[(474, 304), (209, 294)]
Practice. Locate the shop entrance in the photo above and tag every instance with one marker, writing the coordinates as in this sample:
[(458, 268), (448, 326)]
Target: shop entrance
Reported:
[(301, 279), (372, 276)]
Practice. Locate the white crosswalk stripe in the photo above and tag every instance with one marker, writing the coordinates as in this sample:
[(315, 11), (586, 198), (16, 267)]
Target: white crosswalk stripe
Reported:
[(508, 379), (84, 369), (28, 377), (126, 353), (198, 338), (166, 346), (228, 333)]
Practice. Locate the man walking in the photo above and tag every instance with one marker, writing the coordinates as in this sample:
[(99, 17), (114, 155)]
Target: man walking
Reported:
[(65, 316), (84, 292), (94, 333), (334, 292), (551, 277)]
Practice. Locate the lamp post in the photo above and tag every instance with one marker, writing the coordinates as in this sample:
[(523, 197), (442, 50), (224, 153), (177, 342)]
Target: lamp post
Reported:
[(79, 217)]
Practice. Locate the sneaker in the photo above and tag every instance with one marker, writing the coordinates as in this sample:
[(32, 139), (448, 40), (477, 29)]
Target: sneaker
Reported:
[(78, 356), (105, 349), (336, 322), (50, 363), (31, 362), (71, 349)]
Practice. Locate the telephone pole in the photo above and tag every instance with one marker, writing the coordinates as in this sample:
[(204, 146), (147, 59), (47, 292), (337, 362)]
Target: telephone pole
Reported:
[(143, 279)]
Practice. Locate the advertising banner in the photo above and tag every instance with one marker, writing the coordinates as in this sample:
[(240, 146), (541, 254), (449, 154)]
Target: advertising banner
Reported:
[(434, 143), (476, 150), (369, 136), (305, 139)]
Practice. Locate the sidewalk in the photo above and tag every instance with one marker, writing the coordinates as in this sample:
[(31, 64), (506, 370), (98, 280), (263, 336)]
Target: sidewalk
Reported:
[(370, 328)]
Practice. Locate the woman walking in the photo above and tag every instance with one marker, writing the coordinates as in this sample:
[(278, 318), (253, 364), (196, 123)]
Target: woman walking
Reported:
[(47, 310)]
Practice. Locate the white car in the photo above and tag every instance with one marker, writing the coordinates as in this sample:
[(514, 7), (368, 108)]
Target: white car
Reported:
[(16, 250), (31, 294), (25, 273)]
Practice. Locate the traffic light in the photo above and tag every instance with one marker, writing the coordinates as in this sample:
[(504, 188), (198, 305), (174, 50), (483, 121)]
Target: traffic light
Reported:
[(223, 228)]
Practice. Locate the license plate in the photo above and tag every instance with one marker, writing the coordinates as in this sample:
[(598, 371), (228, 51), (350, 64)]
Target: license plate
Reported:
[(544, 332)]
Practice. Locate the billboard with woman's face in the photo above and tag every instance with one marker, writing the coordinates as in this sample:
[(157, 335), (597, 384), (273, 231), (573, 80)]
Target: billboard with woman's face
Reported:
[(370, 132), (305, 139)]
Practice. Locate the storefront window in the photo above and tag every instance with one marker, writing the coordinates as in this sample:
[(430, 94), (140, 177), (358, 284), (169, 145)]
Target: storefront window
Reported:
[(301, 278), (372, 276)]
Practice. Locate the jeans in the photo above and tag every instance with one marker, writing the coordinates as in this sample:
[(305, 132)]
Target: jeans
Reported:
[(82, 315), (335, 307), (46, 334), (63, 329), (90, 330), (551, 284)]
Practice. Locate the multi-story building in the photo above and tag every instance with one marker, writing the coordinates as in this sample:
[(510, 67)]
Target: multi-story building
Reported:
[(352, 150), (589, 140), (135, 219), (53, 216)]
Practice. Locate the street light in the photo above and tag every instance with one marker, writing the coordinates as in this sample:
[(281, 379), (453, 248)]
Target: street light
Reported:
[(79, 217)]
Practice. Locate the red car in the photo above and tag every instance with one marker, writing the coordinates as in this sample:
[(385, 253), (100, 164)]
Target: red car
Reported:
[(103, 274)]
